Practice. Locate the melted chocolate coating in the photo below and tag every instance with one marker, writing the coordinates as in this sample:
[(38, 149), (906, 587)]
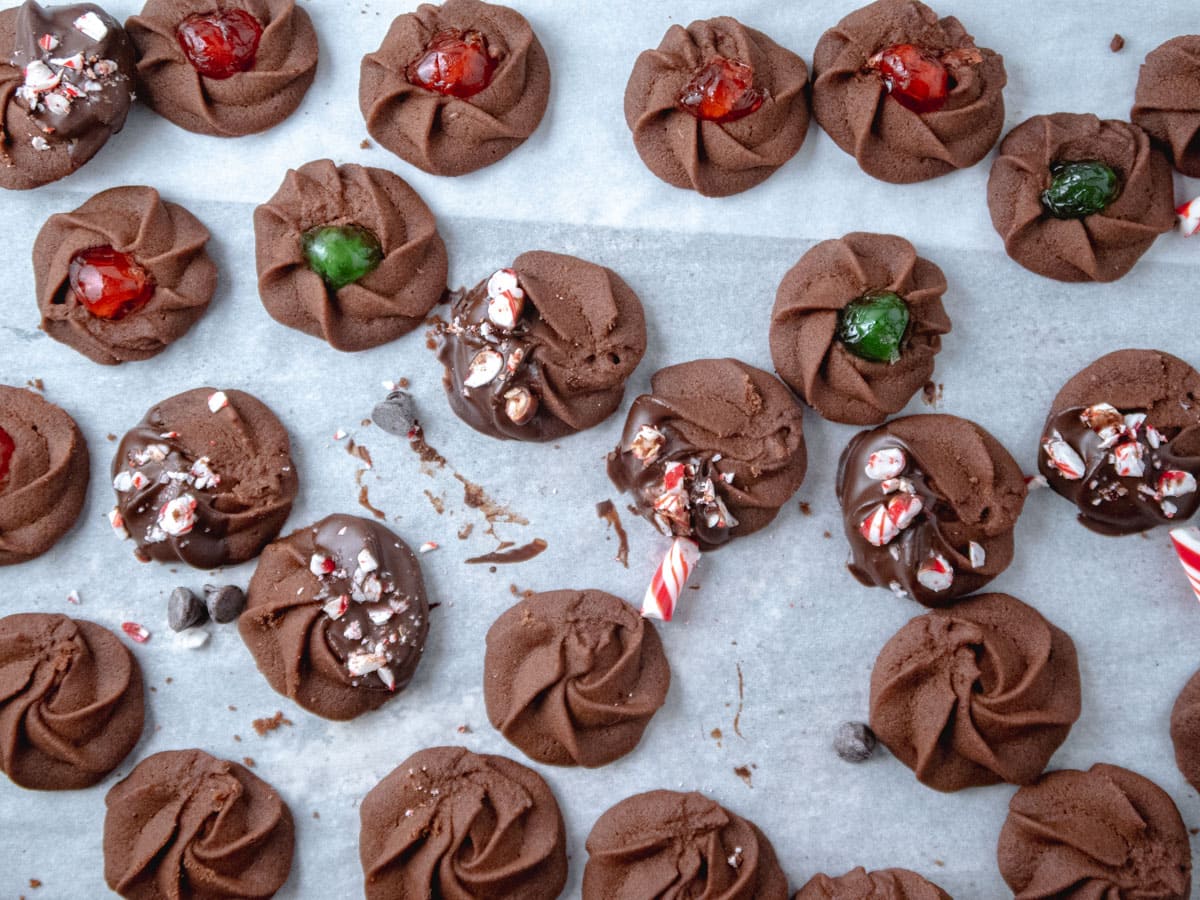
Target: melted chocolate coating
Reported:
[(1185, 731), (1167, 103), (859, 884)]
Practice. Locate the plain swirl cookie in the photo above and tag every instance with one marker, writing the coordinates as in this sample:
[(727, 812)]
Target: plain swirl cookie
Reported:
[(1185, 731), (883, 884), (1167, 103)]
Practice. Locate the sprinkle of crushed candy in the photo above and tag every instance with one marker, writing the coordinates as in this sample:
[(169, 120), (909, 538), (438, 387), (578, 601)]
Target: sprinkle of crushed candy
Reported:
[(39, 143), (903, 509), (320, 564), (647, 444), (936, 574), (136, 632), (1176, 483), (192, 638), (73, 598), (178, 516), (878, 528), (1128, 460), (74, 63), (217, 401), (336, 608), (887, 463), (117, 521), (428, 546), (91, 25), (1189, 217), (977, 555), (48, 42), (1063, 458), (367, 561)]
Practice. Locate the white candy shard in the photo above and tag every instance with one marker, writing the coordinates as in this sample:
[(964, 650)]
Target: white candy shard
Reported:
[(360, 663), (1127, 460), (320, 565), (936, 574), (1063, 458), (886, 463), (91, 25), (903, 508), (336, 608), (117, 521), (217, 401), (977, 555), (178, 516), (878, 528), (484, 368), (1176, 483), (367, 561), (40, 78), (1189, 217), (192, 638)]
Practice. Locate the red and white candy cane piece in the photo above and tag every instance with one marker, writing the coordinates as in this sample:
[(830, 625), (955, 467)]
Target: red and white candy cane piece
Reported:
[(1127, 460), (136, 632), (669, 580), (1176, 483), (878, 528), (887, 463), (936, 574), (1187, 545), (506, 300), (1063, 458), (903, 508), (1189, 217)]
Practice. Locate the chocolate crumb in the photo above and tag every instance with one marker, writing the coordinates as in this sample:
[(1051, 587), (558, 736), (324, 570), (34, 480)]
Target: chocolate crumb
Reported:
[(826, 535), (35, 883), (249, 761), (271, 723), (743, 772), (465, 531), (364, 500), (365, 145), (805, 509), (607, 511), (238, 738), (854, 742), (464, 729), (110, 436), (438, 503), (931, 394), (1117, 44), (316, 815), (939, 863)]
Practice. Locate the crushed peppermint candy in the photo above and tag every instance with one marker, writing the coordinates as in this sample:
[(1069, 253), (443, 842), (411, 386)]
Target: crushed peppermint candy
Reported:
[(977, 555), (117, 521), (1189, 217), (136, 632), (217, 401), (192, 638), (178, 517), (647, 444), (936, 574), (1063, 458), (886, 464), (340, 434), (48, 42), (1176, 483), (320, 564), (73, 598), (428, 547), (1127, 459), (39, 143), (506, 299), (92, 26), (483, 368)]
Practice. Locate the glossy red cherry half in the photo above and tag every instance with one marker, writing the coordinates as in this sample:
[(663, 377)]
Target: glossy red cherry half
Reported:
[(220, 44), (722, 91), (455, 63), (109, 284), (7, 447), (914, 77)]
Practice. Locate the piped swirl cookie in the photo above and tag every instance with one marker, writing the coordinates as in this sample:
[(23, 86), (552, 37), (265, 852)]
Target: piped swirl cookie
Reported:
[(882, 884), (1167, 103)]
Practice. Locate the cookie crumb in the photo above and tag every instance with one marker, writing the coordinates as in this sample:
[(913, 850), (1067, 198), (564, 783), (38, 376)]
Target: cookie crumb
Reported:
[(271, 723), (1117, 44)]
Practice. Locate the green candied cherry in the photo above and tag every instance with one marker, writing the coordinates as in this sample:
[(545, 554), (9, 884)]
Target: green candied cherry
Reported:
[(874, 325), (341, 254), (1079, 189)]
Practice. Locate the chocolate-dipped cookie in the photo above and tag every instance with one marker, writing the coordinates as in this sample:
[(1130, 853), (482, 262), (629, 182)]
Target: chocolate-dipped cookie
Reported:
[(977, 694), (189, 826), (227, 68), (909, 95), (455, 87), (667, 843), (929, 504), (336, 616), (1167, 103), (1079, 199), (205, 478), (574, 677), (451, 823), (883, 884), (349, 254), (123, 276), (1122, 442), (856, 325), (71, 701), (543, 349), (1185, 731), (66, 85), (1107, 832), (718, 107), (44, 470)]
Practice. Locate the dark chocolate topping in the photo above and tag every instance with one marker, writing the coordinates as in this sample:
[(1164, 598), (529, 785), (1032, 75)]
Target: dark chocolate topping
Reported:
[(859, 884), (1167, 103), (1185, 731)]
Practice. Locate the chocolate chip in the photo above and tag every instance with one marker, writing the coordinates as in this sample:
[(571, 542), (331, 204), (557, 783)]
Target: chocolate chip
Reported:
[(855, 741), (397, 414), (184, 610), (225, 603)]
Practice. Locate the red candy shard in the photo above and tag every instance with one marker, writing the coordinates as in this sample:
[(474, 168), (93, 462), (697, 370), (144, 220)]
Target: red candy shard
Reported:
[(110, 284), (136, 632), (455, 63), (7, 447), (722, 91), (220, 44), (916, 78)]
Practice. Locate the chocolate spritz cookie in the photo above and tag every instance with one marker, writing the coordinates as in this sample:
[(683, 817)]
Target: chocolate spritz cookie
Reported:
[(856, 325), (336, 616), (542, 349), (455, 87), (71, 701), (225, 68), (349, 254), (1185, 731), (666, 843), (1106, 832), (66, 85), (1122, 442), (44, 468), (123, 276), (573, 678), (1167, 103), (718, 107), (929, 505), (205, 478), (189, 826), (977, 694), (1079, 199), (859, 884), (451, 823), (909, 95)]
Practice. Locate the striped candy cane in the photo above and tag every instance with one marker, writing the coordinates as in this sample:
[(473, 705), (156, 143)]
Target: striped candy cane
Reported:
[(1187, 545), (669, 580)]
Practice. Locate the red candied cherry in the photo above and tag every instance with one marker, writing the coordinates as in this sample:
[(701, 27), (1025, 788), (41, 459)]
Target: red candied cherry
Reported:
[(222, 43), (7, 447), (454, 63), (722, 91), (110, 284), (916, 78)]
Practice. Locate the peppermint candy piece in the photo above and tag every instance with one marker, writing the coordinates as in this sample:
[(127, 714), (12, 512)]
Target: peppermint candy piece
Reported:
[(1063, 458), (977, 555), (40, 78), (217, 401), (1176, 483), (91, 25), (936, 574), (878, 528), (887, 463), (903, 509), (117, 521), (1187, 545), (1189, 217), (669, 579), (506, 299), (178, 516), (320, 565), (483, 368), (647, 444), (1127, 460)]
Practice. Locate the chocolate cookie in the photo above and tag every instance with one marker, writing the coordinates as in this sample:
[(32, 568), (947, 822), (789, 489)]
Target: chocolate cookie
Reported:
[(227, 68), (450, 823), (665, 843), (718, 107), (1106, 832), (929, 504), (543, 349), (455, 87), (336, 616), (44, 469), (977, 694), (909, 95), (1122, 441), (66, 85), (349, 254), (856, 325), (859, 884), (123, 276), (1185, 731), (189, 826), (1079, 199), (205, 478), (71, 701), (574, 677), (1167, 103)]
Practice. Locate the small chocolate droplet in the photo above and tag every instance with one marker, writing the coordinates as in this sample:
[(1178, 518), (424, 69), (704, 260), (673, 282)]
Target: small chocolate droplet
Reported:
[(184, 610), (226, 603), (855, 741), (397, 414)]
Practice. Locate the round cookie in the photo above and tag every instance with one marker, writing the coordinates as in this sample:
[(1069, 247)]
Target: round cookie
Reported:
[(66, 85), (907, 94), (1167, 103), (349, 254), (451, 823), (455, 87), (336, 616), (543, 349), (574, 677), (687, 842), (123, 276), (977, 694), (1185, 731), (1122, 442), (189, 826), (1107, 832), (856, 325), (71, 701), (859, 884), (717, 107), (205, 478), (246, 66), (929, 504)]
